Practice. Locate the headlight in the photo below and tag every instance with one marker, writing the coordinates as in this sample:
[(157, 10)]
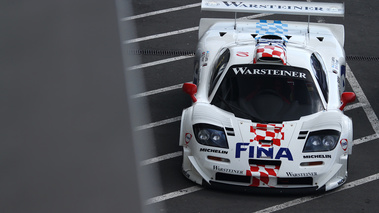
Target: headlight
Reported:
[(210, 135), (320, 141)]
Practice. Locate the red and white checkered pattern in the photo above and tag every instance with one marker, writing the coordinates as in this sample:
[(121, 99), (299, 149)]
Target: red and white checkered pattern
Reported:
[(270, 51), (261, 175), (272, 132)]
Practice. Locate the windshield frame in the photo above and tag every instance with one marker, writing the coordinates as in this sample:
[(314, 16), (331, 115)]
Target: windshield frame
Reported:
[(309, 77)]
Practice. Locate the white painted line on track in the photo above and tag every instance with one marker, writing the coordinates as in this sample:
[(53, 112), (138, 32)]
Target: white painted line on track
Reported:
[(363, 99), (365, 139), (161, 158), (309, 198), (157, 91), (176, 32), (161, 11), (353, 106), (154, 63), (173, 194), (159, 123)]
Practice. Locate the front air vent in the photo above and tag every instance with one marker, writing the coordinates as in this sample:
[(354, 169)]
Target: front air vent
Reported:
[(229, 131), (222, 33), (254, 35), (302, 135), (232, 178), (320, 38), (296, 181), (265, 162), (271, 37)]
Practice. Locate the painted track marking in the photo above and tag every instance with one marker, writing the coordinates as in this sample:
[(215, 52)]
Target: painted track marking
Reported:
[(157, 91), (161, 12), (158, 123), (363, 99), (173, 194), (161, 35), (161, 158), (164, 61)]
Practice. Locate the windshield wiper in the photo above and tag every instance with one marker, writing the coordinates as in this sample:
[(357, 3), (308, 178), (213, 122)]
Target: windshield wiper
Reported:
[(241, 111)]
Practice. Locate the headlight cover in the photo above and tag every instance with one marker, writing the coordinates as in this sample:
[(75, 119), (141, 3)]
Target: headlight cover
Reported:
[(210, 135), (321, 141)]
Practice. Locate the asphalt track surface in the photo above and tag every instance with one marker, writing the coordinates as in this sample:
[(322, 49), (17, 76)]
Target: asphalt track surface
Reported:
[(75, 118)]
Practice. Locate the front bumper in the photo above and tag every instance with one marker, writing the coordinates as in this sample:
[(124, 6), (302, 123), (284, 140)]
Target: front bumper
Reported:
[(268, 177)]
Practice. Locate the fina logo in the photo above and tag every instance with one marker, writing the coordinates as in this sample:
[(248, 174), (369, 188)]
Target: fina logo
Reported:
[(262, 152)]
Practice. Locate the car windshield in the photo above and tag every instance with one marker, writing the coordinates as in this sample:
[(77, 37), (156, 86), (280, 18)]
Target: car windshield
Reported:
[(268, 93)]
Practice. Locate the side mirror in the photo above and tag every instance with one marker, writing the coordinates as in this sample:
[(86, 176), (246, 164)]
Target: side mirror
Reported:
[(190, 89), (347, 97)]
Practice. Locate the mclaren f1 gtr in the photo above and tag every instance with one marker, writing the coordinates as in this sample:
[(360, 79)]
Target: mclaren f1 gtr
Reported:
[(268, 99)]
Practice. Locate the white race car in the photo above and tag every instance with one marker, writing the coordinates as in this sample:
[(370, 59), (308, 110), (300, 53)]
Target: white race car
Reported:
[(268, 99)]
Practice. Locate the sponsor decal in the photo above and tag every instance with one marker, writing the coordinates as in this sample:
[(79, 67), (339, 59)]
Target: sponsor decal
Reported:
[(284, 73), (302, 174), (335, 63), (225, 170), (262, 152), (317, 156), (213, 150), (204, 58), (188, 138), (344, 144), (242, 54), (265, 132), (236, 4)]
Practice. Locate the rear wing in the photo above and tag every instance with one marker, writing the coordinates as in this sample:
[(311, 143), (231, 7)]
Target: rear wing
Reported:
[(276, 7)]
